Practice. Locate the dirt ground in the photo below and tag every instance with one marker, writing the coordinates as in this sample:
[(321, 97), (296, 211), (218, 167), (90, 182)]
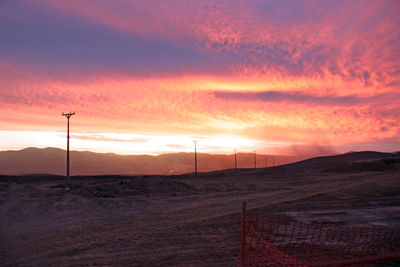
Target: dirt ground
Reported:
[(178, 220)]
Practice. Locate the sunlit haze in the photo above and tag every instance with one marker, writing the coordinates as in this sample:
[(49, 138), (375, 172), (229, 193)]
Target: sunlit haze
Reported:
[(152, 77)]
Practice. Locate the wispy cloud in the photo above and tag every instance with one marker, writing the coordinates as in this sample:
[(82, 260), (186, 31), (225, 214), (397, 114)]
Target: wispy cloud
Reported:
[(304, 98), (269, 70), (102, 138), (295, 38)]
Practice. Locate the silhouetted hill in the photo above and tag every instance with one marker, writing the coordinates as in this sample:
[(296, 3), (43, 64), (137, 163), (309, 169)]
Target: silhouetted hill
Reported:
[(352, 161), (53, 161)]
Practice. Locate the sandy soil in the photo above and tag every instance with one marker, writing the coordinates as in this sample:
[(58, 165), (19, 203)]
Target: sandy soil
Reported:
[(177, 220)]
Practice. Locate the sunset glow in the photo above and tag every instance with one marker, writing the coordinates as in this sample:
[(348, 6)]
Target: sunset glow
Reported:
[(150, 77)]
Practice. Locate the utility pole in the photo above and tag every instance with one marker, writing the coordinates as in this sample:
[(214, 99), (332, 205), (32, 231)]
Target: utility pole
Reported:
[(235, 161), (68, 115), (195, 158), (266, 162), (273, 161), (255, 161)]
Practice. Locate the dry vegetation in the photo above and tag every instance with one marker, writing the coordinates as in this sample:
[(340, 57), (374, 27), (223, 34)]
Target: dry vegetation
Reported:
[(185, 220)]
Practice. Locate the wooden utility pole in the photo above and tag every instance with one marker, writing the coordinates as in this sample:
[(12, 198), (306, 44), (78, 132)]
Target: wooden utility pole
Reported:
[(195, 158), (235, 161), (255, 161), (68, 115), (266, 162)]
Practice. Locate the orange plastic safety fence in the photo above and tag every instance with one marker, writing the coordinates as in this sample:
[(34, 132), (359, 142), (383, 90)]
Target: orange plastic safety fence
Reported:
[(275, 242)]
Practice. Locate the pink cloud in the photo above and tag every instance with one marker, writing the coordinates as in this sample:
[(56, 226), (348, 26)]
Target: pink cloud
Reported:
[(354, 41), (314, 70)]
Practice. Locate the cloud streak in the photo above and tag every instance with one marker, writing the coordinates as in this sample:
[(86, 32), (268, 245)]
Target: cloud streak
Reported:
[(103, 138), (304, 98)]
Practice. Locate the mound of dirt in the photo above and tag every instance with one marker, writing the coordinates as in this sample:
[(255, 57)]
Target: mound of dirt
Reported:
[(137, 186)]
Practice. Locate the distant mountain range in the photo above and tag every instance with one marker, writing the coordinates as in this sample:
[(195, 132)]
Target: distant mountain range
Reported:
[(53, 161)]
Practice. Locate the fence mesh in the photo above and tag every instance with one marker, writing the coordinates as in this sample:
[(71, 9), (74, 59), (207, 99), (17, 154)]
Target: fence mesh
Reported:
[(277, 242)]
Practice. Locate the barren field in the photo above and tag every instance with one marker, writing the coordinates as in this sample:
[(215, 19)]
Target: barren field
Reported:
[(185, 220)]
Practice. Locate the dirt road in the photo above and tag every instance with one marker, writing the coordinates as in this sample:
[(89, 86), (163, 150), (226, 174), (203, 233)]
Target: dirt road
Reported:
[(176, 221)]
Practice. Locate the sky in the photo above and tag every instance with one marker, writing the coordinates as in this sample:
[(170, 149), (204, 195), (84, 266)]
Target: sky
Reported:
[(150, 77)]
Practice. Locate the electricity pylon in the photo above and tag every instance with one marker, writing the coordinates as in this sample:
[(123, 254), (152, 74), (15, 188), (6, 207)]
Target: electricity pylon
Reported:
[(68, 115)]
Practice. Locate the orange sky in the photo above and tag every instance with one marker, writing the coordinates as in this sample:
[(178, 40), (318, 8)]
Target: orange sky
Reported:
[(282, 77)]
